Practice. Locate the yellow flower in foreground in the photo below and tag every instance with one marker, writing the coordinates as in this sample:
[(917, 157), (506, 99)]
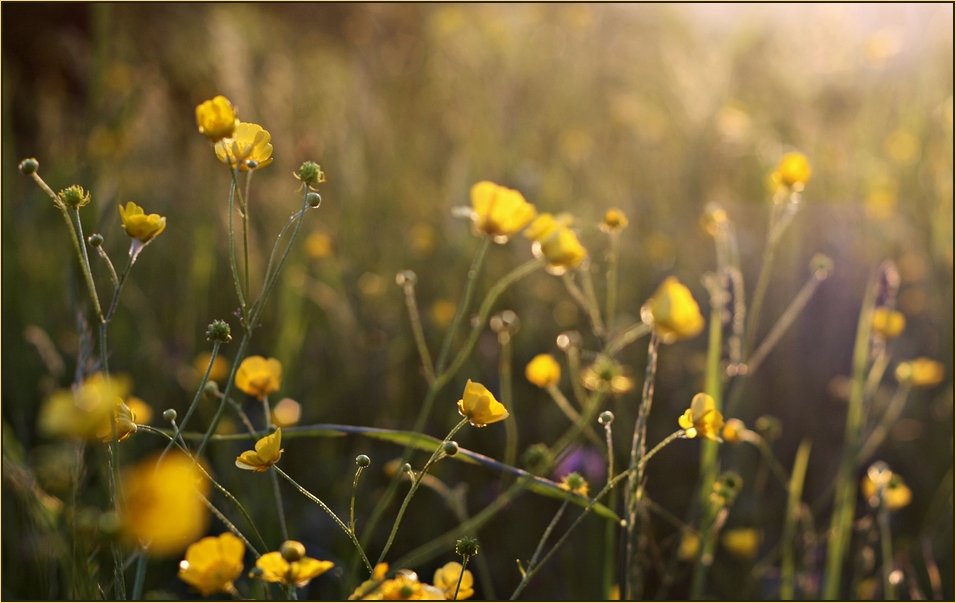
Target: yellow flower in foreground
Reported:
[(83, 411), (250, 142), (479, 405), (742, 543), (614, 220), (673, 312), (888, 323), (258, 376), (547, 225), (446, 580), (370, 586), (573, 482), (896, 493), (212, 563), (216, 119), (125, 424), (265, 455), (139, 225), (163, 508), (499, 212), (555, 242), (921, 372), (543, 370), (793, 171), (405, 586), (276, 569), (702, 419)]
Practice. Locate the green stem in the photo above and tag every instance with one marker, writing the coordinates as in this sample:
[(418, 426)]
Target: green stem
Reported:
[(229, 525), (109, 264), (892, 414), (627, 337), (464, 563), (886, 547), (537, 552), (195, 402), (358, 473), (611, 301), (463, 304), (610, 530), (504, 376), (408, 288), (594, 315), (585, 271), (794, 502), (232, 248), (140, 577), (574, 416)]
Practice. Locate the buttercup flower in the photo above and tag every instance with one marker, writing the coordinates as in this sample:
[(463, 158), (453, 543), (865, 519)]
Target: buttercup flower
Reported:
[(673, 312), (479, 405), (689, 546), (793, 171), (543, 371), (446, 580), (573, 482), (702, 419), (499, 212), (888, 323), (405, 586), (212, 563), (84, 411), (555, 242), (216, 119), (125, 424), (276, 569), (369, 588), (733, 431), (265, 455), (606, 374), (249, 143), (921, 372), (139, 225), (896, 494), (259, 377), (742, 543), (163, 509), (614, 220)]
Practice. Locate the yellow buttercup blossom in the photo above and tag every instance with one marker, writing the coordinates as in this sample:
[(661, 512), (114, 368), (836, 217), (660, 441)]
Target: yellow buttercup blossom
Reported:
[(606, 374), (673, 312), (125, 424), (702, 419), (689, 546), (556, 242), (614, 220), (258, 376), (573, 482), (543, 371), (499, 212), (921, 372), (267, 453), (888, 323), (219, 370), (250, 142), (369, 589), (216, 119), (446, 580), (734, 431), (212, 563), (276, 569), (139, 225), (479, 405), (896, 494), (405, 586), (84, 411), (163, 509), (793, 171), (742, 543), (547, 225)]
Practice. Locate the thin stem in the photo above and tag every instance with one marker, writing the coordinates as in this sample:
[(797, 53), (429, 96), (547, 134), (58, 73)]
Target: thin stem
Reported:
[(358, 473), (464, 563), (585, 271), (408, 288), (544, 538), (575, 417), (109, 264), (240, 354), (140, 577), (195, 402), (610, 529), (504, 378), (892, 414), (85, 262), (573, 354), (594, 315), (229, 525), (463, 304), (886, 547), (232, 248), (627, 337), (794, 499), (278, 498), (611, 301)]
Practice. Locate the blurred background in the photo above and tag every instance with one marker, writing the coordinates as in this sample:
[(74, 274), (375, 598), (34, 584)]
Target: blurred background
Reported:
[(654, 109)]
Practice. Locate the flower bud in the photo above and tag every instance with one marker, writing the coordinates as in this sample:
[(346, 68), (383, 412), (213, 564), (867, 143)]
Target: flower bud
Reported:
[(255, 573), (211, 389), (292, 550), (467, 546), (614, 221), (314, 199), (407, 468), (450, 448), (363, 461), (74, 196), (252, 164), (95, 239), (310, 173), (29, 166), (109, 523), (768, 427), (733, 430), (406, 277), (606, 418), (169, 414), (218, 331)]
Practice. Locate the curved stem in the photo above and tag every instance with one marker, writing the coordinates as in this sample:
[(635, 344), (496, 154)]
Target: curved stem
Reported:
[(611, 301), (464, 563), (537, 552), (408, 288), (464, 303), (80, 243), (358, 473), (232, 249), (195, 402)]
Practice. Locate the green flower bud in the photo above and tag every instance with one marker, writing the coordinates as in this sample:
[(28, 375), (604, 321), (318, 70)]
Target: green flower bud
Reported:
[(407, 468), (255, 573), (363, 461), (218, 331), (406, 277), (74, 196), (29, 166), (252, 164), (606, 418), (450, 448), (314, 199), (96, 239), (169, 414), (467, 546), (211, 389), (292, 550), (310, 173)]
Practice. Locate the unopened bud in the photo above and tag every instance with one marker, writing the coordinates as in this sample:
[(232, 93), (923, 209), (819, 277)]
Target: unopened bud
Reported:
[(96, 239), (310, 173), (406, 277), (29, 166), (363, 461), (169, 414), (450, 448), (606, 418), (252, 164), (219, 331), (467, 546), (255, 573), (74, 196), (292, 550), (211, 389), (314, 199)]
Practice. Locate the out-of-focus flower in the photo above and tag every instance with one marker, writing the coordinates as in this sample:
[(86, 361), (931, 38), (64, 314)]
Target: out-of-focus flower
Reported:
[(250, 142), (275, 568), (139, 225), (74, 196), (212, 563), (584, 460), (742, 543), (286, 413), (546, 225), (258, 376), (902, 147), (220, 368), (405, 586), (606, 374), (614, 220), (125, 424), (267, 453), (84, 411), (673, 312), (216, 119), (369, 588), (702, 419), (318, 245), (921, 372), (733, 431), (689, 546), (163, 507), (499, 212), (443, 311), (888, 322), (543, 371), (556, 242), (479, 406), (896, 494), (573, 482), (793, 171), (446, 580)]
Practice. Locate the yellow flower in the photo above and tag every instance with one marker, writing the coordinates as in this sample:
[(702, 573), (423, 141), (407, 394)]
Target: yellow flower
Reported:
[(479, 405), (689, 546), (259, 377), (888, 323), (733, 431), (921, 372), (573, 482), (142, 412), (216, 119), (276, 569), (125, 424), (139, 225), (286, 413), (212, 563), (163, 508), (405, 586), (499, 212), (742, 543), (896, 494), (793, 171), (614, 221), (249, 143), (547, 225), (702, 419), (219, 371), (555, 242), (543, 371), (82, 412), (606, 374), (266, 454), (446, 580), (369, 588), (673, 312)]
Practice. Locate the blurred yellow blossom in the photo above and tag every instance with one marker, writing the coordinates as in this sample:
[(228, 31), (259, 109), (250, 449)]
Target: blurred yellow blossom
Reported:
[(422, 238), (733, 431), (443, 311), (369, 588), (83, 411), (543, 371), (702, 419), (446, 580), (405, 586), (220, 368), (921, 372), (275, 568), (267, 453), (614, 220), (573, 482), (556, 242), (896, 494), (250, 142), (742, 543), (499, 212), (479, 406), (212, 563), (793, 171), (606, 374), (286, 413), (546, 225), (163, 509), (216, 119), (318, 245), (689, 546), (125, 424), (139, 225), (258, 376), (673, 312), (888, 322)]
